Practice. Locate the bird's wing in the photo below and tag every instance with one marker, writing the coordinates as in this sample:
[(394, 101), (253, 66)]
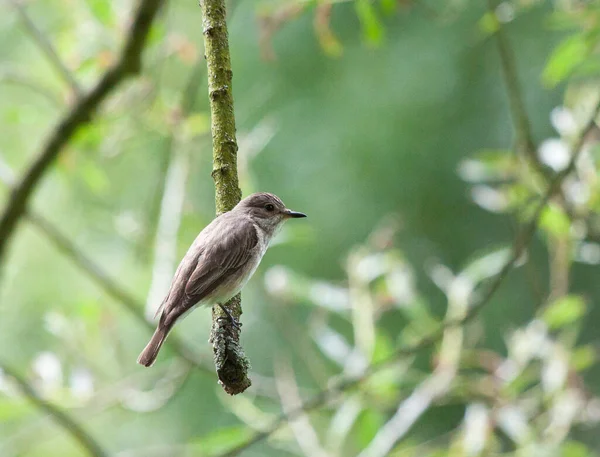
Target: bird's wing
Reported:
[(218, 258)]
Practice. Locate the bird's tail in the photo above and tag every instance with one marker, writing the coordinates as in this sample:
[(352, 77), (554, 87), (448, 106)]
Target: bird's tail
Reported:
[(148, 355)]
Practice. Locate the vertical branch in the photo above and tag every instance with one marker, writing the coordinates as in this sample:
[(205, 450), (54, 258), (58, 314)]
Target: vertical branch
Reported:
[(165, 220), (216, 48), (524, 138), (524, 143), (230, 361)]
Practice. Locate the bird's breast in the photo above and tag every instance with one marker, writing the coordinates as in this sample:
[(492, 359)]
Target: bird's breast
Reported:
[(238, 280)]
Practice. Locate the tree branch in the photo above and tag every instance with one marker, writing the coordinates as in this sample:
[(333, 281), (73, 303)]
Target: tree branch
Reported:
[(169, 198), (522, 240), (17, 78), (106, 283), (230, 361), (60, 417), (128, 64), (63, 244), (521, 124), (47, 47)]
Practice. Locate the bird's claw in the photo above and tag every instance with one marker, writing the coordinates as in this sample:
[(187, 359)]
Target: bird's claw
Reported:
[(234, 322)]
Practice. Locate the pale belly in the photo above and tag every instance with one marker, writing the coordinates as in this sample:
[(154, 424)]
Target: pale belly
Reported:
[(236, 284)]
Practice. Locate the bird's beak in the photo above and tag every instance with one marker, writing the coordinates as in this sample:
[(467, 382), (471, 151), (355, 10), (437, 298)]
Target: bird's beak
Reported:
[(290, 213)]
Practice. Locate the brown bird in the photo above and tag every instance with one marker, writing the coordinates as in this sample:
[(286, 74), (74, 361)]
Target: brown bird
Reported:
[(220, 262)]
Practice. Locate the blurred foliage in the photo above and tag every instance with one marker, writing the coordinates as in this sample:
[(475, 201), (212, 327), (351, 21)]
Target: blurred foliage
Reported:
[(388, 123)]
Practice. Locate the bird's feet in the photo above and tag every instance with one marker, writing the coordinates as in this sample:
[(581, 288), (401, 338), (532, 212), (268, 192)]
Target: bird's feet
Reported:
[(234, 322)]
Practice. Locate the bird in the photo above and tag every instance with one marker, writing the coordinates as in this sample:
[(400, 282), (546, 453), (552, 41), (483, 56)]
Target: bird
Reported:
[(219, 263)]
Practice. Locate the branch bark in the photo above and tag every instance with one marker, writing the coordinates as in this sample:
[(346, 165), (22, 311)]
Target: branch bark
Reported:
[(230, 361), (128, 64)]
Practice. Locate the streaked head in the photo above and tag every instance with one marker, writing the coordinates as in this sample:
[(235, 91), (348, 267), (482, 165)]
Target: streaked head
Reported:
[(267, 210)]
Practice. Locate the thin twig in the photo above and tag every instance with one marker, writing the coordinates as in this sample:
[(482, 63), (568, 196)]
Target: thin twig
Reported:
[(16, 78), (106, 283), (524, 138), (432, 388), (230, 361), (287, 387), (346, 383), (46, 46), (128, 64), (186, 104), (408, 412), (135, 307), (71, 426), (63, 244), (166, 212)]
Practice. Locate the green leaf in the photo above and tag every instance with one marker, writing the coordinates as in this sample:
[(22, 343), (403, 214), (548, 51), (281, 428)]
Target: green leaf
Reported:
[(564, 311), (89, 311), (565, 58), (523, 381), (388, 7), (384, 347), (220, 441), (196, 124), (554, 221), (421, 321), (574, 449), (489, 165), (488, 23), (102, 10), (367, 426), (371, 26), (90, 136), (12, 409), (157, 34), (583, 358), (12, 115), (94, 177)]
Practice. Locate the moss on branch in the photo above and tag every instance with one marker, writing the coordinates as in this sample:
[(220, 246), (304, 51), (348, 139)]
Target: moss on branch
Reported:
[(230, 361)]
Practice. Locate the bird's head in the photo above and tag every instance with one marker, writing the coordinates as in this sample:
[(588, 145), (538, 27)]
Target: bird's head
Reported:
[(267, 211)]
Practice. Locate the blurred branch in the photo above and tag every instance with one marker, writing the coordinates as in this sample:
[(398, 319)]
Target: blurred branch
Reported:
[(436, 385), (524, 138), (560, 266), (230, 361), (46, 46), (103, 280), (524, 143), (270, 23), (343, 421), (97, 275), (560, 248), (407, 414), (303, 431), (170, 198), (13, 77), (520, 244), (128, 64), (60, 417), (294, 332)]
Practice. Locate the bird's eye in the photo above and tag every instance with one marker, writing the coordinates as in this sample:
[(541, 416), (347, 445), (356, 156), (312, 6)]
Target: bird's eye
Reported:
[(269, 207)]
